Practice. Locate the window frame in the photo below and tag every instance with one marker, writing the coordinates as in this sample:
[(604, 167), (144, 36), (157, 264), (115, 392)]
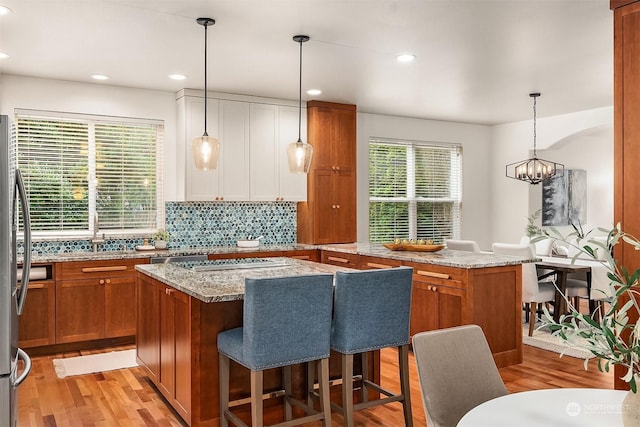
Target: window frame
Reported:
[(411, 199), (92, 120)]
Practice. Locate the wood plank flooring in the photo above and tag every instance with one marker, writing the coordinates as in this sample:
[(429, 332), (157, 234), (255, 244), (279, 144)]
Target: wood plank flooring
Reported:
[(126, 398)]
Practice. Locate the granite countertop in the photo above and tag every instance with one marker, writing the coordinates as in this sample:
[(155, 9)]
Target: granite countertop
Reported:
[(107, 255), (228, 285), (444, 257)]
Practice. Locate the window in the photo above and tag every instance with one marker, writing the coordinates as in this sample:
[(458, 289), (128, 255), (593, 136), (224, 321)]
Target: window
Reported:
[(414, 190), (77, 165)]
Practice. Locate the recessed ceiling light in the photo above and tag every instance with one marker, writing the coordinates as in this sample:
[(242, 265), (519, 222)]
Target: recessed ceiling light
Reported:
[(4, 10), (100, 77), (314, 92), (3, 55), (177, 77), (406, 57)]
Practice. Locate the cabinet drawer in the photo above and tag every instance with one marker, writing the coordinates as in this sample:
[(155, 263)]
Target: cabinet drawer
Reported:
[(341, 258), (97, 269), (305, 255), (373, 263), (428, 272)]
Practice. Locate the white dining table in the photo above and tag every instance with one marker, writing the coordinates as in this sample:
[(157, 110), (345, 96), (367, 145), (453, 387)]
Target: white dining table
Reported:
[(558, 407)]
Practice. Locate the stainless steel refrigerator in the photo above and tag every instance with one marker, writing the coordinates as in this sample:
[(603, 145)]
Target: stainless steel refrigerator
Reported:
[(13, 289)]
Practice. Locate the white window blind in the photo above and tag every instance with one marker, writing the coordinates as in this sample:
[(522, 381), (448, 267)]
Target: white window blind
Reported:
[(414, 190), (77, 165)]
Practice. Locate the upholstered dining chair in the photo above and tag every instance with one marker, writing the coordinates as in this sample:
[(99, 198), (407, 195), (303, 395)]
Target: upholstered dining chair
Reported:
[(462, 245), (286, 321), (371, 311), (456, 371), (534, 290)]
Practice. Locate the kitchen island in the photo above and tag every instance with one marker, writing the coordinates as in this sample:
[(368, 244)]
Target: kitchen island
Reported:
[(180, 312)]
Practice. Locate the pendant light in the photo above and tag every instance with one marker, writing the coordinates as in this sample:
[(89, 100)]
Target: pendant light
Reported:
[(534, 170), (205, 149), (299, 153)]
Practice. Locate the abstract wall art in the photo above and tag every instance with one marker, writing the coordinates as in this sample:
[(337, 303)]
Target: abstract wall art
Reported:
[(564, 199)]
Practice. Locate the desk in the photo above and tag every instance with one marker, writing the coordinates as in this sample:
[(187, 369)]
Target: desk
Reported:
[(556, 407), (562, 270)]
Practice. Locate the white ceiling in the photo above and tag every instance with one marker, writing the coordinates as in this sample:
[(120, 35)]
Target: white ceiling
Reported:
[(476, 60)]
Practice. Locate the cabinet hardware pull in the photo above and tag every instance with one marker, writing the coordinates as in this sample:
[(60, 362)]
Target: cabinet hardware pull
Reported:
[(36, 286), (434, 289), (333, 206), (108, 268), (101, 281), (432, 274), (168, 291), (337, 206), (376, 265), (108, 281), (303, 257), (336, 259)]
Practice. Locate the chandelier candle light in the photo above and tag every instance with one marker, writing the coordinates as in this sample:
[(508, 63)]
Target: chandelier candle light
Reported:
[(299, 153), (205, 149), (534, 170)]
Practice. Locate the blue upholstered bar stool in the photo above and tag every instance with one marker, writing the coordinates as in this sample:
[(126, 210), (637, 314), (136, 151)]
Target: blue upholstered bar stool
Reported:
[(286, 321), (371, 311)]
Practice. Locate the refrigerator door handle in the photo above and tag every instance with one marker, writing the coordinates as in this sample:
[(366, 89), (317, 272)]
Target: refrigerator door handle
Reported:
[(27, 367), (26, 266)]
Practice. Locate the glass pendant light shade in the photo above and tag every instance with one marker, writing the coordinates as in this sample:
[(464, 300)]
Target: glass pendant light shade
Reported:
[(299, 154), (205, 150)]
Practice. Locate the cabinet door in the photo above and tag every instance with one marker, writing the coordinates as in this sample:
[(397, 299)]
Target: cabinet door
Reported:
[(333, 135), (166, 379), (79, 310), (37, 323), (234, 150), (324, 207), (344, 190), (201, 185), (264, 152), (182, 357), (293, 186), (424, 308), (148, 326), (120, 307)]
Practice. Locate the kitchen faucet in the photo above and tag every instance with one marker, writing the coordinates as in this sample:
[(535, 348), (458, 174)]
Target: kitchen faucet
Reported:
[(96, 240)]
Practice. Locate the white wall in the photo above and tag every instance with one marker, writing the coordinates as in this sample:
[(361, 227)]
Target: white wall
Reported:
[(476, 144), (87, 98), (582, 140)]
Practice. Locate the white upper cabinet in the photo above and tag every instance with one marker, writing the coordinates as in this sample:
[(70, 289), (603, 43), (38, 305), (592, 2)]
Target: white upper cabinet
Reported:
[(253, 149), (273, 128), (201, 185)]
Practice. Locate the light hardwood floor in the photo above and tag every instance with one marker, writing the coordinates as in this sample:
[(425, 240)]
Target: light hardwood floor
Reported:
[(126, 398)]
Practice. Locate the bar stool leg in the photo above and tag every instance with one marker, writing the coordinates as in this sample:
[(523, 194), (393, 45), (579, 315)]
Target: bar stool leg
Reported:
[(256, 399), (364, 393), (286, 381), (223, 362), (403, 364), (347, 389), (325, 398), (532, 319), (311, 381)]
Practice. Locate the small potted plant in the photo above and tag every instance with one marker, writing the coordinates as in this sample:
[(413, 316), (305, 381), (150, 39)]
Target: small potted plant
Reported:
[(160, 238)]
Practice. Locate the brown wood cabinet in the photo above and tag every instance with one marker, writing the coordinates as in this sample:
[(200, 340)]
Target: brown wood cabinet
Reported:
[(444, 297), (626, 153), (329, 214), (37, 323), (95, 299)]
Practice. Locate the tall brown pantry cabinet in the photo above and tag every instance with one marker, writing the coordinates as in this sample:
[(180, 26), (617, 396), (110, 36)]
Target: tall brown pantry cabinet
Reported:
[(626, 136), (329, 214)]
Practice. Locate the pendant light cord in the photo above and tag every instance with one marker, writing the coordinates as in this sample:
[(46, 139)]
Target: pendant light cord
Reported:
[(205, 79), (535, 155), (300, 97)]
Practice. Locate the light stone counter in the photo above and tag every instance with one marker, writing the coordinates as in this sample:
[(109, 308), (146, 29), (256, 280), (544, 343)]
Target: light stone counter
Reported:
[(444, 257), (210, 250), (228, 285)]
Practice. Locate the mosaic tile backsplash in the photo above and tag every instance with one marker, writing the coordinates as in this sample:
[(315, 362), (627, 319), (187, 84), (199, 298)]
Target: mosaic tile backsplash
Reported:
[(200, 224)]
